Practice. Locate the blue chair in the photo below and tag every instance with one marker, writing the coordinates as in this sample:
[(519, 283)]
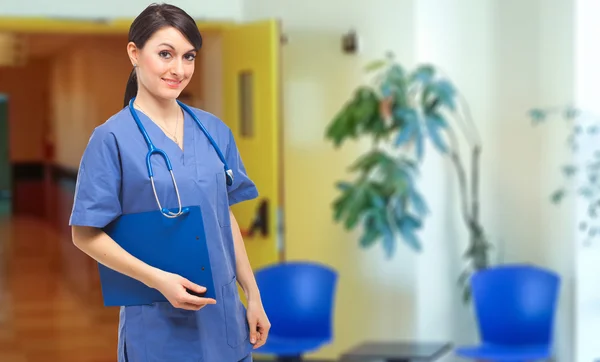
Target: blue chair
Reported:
[(515, 307), (298, 298)]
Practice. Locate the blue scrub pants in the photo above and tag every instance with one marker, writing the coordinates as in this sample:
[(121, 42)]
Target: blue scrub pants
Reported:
[(248, 358)]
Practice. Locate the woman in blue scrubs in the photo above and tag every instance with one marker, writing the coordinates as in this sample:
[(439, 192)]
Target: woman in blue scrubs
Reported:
[(113, 180)]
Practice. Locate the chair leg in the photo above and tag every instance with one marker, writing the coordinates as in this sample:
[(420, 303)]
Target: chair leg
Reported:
[(297, 358)]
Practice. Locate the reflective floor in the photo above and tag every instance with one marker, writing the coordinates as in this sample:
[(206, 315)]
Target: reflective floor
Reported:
[(44, 316)]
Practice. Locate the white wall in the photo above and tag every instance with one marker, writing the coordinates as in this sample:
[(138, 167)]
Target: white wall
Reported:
[(505, 57), (455, 36), (587, 293), (534, 66), (222, 9), (556, 74)]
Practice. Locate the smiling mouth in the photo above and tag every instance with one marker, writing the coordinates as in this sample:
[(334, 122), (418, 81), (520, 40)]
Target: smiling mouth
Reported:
[(171, 82)]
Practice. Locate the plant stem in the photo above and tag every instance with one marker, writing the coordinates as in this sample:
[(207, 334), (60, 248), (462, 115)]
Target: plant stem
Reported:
[(475, 183), (462, 179), (477, 249)]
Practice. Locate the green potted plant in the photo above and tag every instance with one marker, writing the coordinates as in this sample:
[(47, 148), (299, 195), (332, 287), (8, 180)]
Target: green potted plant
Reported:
[(399, 111)]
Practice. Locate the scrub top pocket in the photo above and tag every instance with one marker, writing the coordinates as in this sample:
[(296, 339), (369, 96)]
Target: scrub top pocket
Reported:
[(236, 322)]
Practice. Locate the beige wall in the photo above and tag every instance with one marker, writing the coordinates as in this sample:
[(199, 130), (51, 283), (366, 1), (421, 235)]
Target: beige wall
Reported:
[(27, 88)]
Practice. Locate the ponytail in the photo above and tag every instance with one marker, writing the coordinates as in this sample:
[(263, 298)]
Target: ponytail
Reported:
[(131, 88)]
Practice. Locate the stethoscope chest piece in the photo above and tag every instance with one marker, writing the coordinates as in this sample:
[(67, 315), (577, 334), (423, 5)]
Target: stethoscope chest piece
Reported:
[(229, 177)]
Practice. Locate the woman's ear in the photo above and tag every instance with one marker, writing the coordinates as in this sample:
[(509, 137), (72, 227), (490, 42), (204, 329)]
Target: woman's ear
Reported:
[(132, 51)]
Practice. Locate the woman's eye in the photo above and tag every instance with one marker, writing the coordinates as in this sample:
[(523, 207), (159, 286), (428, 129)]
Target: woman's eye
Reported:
[(164, 54), (190, 57)]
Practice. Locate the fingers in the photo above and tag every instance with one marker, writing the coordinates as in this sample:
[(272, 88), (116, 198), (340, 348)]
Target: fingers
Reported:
[(192, 294), (190, 299), (259, 340), (264, 332), (262, 335), (192, 303), (192, 286), (184, 298), (253, 331), (188, 306)]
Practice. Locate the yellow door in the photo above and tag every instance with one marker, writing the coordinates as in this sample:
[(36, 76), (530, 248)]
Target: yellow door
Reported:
[(251, 64)]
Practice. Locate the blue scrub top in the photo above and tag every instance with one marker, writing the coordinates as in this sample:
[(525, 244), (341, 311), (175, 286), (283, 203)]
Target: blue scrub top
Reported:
[(113, 180)]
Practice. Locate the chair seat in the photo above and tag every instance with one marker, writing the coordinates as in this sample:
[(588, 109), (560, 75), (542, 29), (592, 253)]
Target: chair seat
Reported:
[(290, 346), (505, 353)]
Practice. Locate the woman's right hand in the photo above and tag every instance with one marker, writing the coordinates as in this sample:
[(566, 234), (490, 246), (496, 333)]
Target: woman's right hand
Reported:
[(174, 288)]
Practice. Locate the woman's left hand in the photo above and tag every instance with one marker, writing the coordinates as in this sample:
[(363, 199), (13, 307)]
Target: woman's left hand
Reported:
[(258, 322)]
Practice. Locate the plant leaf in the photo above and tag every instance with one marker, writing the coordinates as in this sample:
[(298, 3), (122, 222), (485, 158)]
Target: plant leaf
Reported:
[(423, 73), (407, 225), (463, 278), (419, 143), (434, 123), (357, 204), (586, 192), (375, 65), (370, 160), (466, 295), (569, 170), (389, 242), (344, 185), (444, 93), (418, 203), (371, 232), (537, 115), (408, 235), (571, 112), (557, 196), (377, 200), (349, 121), (406, 133), (341, 202)]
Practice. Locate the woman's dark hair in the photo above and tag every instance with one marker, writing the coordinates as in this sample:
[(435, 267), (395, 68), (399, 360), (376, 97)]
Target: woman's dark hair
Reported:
[(152, 19)]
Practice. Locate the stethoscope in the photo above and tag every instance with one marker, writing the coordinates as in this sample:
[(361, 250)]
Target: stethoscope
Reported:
[(152, 149)]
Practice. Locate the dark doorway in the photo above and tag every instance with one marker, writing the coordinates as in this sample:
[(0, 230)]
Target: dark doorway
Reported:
[(5, 169)]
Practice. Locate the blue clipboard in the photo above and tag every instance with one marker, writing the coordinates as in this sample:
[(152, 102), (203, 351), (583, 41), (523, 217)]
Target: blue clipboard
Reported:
[(177, 245)]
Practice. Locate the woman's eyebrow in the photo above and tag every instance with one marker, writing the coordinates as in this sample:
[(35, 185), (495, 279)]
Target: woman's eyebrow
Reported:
[(172, 47)]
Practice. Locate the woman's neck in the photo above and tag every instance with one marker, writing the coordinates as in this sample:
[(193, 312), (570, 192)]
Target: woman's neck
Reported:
[(165, 110)]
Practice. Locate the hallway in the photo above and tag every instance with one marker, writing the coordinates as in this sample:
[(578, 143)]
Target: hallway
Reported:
[(43, 315)]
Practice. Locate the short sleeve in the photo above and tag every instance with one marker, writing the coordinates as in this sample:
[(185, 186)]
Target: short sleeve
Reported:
[(243, 188), (97, 201)]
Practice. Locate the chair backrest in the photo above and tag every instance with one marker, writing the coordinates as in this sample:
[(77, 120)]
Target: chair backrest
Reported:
[(298, 298), (515, 304)]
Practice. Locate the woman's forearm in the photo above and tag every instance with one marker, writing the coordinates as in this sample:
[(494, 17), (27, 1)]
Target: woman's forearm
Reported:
[(245, 275), (101, 247)]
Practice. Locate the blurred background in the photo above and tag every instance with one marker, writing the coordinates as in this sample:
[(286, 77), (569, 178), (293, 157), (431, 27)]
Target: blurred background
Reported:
[(514, 81)]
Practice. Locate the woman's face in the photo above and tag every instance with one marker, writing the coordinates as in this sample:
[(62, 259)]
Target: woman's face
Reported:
[(166, 63)]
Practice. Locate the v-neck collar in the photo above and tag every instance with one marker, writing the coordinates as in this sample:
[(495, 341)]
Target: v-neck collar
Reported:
[(162, 141)]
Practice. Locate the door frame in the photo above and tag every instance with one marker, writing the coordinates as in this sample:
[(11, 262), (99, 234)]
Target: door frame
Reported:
[(47, 25)]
